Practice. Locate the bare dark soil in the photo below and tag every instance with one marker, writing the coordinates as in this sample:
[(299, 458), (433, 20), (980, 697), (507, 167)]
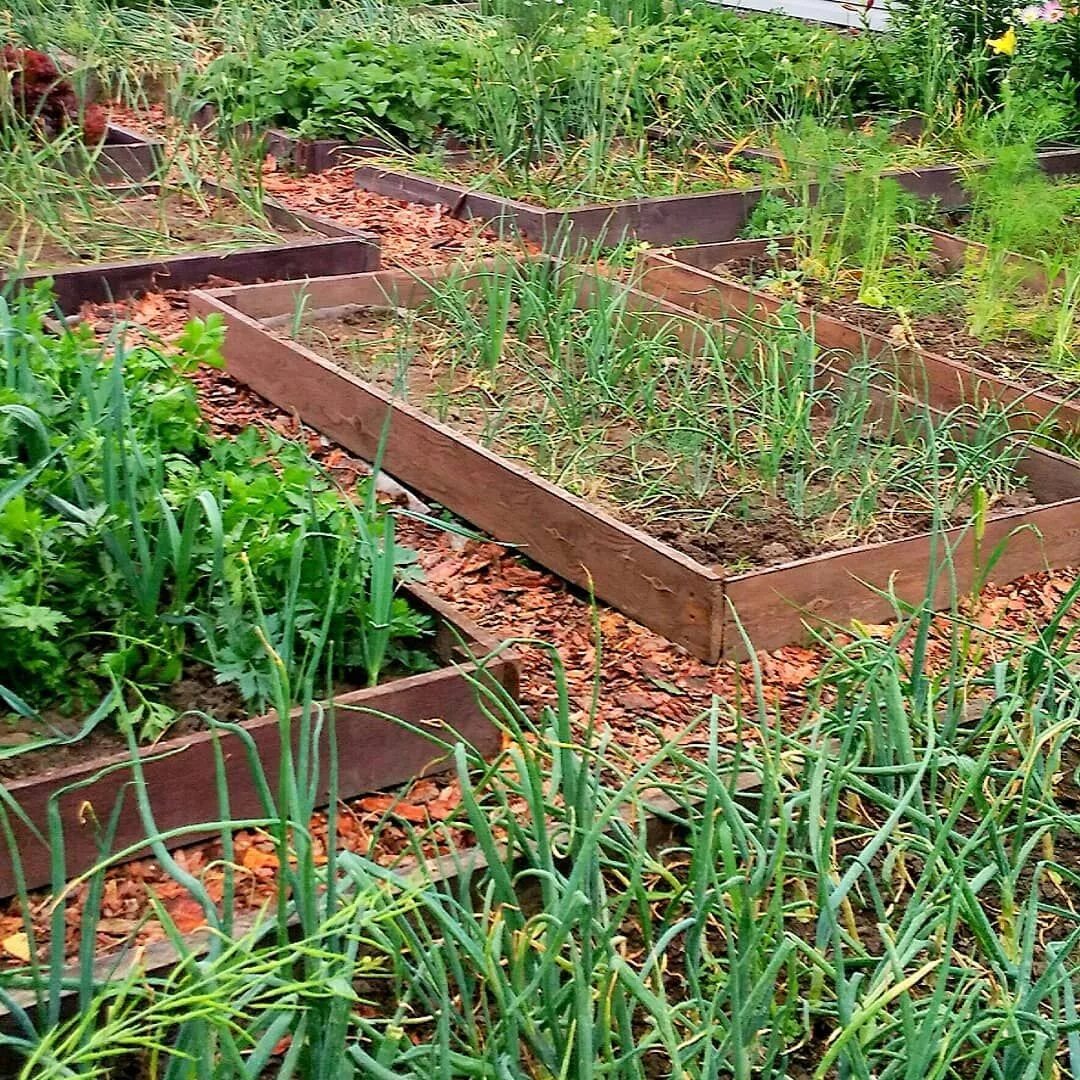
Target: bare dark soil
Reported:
[(196, 692)]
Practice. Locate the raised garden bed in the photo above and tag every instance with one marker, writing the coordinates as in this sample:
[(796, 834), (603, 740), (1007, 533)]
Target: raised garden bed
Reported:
[(718, 280), (296, 244), (687, 597), (932, 170), (718, 213), (374, 752), (663, 821), (702, 217), (192, 575)]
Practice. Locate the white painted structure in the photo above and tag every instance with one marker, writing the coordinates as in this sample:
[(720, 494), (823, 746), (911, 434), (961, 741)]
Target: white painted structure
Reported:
[(836, 12)]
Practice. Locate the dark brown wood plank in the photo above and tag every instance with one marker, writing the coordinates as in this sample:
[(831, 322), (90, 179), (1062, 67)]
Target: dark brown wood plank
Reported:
[(104, 282), (707, 216), (373, 750), (774, 604), (944, 383)]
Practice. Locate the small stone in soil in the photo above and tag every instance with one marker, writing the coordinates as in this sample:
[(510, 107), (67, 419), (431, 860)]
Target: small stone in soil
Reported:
[(775, 553)]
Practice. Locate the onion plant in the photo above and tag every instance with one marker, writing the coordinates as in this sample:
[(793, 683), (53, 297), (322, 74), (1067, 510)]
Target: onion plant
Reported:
[(57, 211), (877, 883), (135, 544), (676, 423)]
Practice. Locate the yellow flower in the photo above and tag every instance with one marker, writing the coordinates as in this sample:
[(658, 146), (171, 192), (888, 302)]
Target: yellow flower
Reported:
[(1006, 44)]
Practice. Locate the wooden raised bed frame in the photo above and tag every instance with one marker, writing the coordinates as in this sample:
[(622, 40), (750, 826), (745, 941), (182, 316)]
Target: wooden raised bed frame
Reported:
[(709, 217), (373, 752), (945, 183), (684, 277), (333, 249), (688, 602), (129, 155), (125, 156)]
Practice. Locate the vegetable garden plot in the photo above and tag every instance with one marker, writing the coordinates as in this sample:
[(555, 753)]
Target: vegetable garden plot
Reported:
[(553, 201), (661, 820), (385, 735), (935, 356), (579, 197), (663, 461), (153, 575), (175, 238)]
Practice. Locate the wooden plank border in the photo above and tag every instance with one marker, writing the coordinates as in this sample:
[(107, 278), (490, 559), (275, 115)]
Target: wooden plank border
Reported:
[(944, 183), (710, 217), (374, 753), (124, 156), (704, 217), (650, 581), (333, 249)]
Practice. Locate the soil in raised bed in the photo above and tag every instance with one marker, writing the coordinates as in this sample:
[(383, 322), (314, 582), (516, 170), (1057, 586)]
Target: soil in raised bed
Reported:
[(195, 692), (610, 459), (576, 178), (113, 228), (942, 328)]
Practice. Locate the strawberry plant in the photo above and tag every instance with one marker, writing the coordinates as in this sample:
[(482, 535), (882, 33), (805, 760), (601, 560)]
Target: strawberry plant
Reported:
[(406, 92)]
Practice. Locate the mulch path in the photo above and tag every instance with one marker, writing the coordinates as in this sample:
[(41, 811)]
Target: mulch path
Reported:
[(649, 689)]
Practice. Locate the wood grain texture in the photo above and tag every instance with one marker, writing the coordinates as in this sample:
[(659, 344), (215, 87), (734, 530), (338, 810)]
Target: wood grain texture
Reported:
[(374, 751), (775, 605)]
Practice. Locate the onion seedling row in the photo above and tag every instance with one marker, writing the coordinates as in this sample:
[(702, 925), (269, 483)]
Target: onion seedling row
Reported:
[(666, 461)]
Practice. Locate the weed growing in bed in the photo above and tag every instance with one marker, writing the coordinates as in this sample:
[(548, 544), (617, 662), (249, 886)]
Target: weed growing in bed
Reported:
[(136, 546)]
